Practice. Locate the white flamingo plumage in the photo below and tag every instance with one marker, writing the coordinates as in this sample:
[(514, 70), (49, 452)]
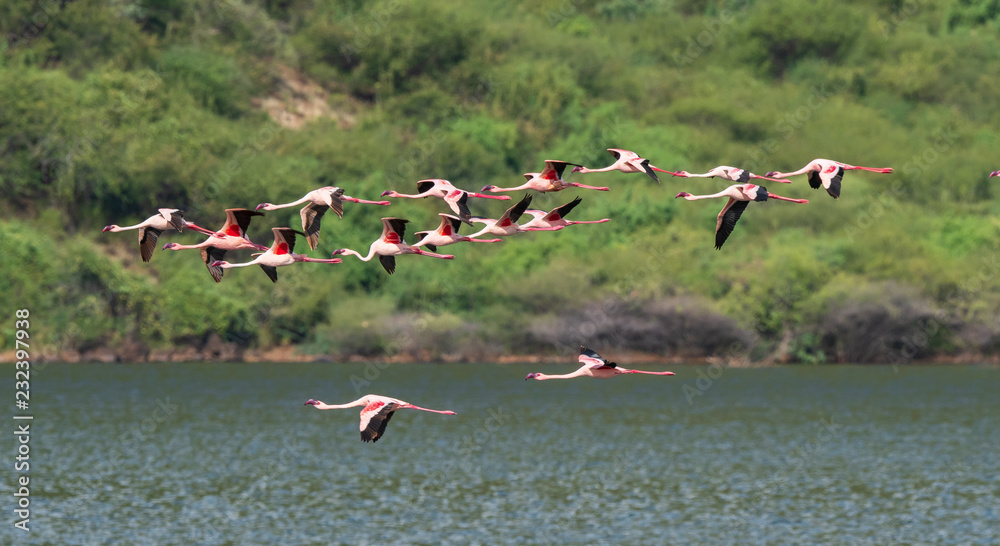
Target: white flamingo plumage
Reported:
[(151, 228), (557, 217), (627, 161), (594, 365), (456, 198), (329, 197), (232, 236), (828, 174), (733, 174), (507, 223), (375, 414), (550, 179), (390, 244), (281, 253), (739, 196), (447, 234)]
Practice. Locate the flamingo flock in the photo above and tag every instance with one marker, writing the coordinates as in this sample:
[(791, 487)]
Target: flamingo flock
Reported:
[(378, 410)]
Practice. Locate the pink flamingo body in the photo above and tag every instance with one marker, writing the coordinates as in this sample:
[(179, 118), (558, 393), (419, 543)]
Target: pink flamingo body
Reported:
[(557, 217), (739, 196), (281, 253), (732, 174), (594, 365), (550, 179), (447, 234), (375, 413), (457, 199), (507, 223), (151, 228), (627, 161), (233, 237), (390, 245), (828, 174), (320, 200)]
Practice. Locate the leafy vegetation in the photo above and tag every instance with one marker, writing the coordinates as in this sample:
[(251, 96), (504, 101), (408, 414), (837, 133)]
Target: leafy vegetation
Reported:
[(113, 109)]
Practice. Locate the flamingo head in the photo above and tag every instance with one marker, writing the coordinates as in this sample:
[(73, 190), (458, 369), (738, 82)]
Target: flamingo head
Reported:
[(219, 263), (577, 169), (771, 174), (992, 174), (311, 402), (388, 193), (338, 251), (488, 188), (682, 174), (263, 206), (682, 194), (169, 246), (113, 226), (532, 375)]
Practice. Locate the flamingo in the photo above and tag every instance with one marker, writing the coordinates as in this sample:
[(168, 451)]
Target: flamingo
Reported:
[(550, 179), (507, 223), (739, 196), (438, 187), (732, 174), (281, 253), (375, 414), (329, 197), (556, 217), (390, 245), (994, 173), (447, 234), (152, 227), (828, 174), (627, 162), (594, 365), (233, 237)]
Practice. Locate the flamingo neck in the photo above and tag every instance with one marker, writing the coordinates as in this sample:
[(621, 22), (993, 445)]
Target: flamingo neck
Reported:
[(371, 253), (359, 402), (126, 228), (287, 205)]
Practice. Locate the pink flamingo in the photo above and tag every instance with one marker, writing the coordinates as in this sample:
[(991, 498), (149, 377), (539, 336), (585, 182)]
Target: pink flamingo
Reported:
[(739, 196), (329, 197), (151, 228), (627, 162), (438, 187), (375, 414), (507, 223), (732, 174), (828, 174), (447, 234), (550, 179), (280, 254), (556, 217), (233, 237), (594, 365), (994, 173), (390, 245)]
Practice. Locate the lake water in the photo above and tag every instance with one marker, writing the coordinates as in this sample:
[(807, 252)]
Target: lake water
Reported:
[(228, 453)]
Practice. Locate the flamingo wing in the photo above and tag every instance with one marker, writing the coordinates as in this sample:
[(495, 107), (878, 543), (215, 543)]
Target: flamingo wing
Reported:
[(311, 215), (452, 222), (240, 219), (515, 212), (814, 180), (174, 217), (374, 418), (147, 242), (389, 262), (645, 168), (555, 168), (336, 201), (395, 226), (832, 180), (460, 204), (271, 271), (727, 219), (616, 152), (425, 186), (563, 210), (284, 240), (741, 176), (212, 254), (594, 360)]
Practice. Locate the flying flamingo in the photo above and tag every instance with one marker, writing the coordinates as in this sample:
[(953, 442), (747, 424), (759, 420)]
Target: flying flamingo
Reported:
[(447, 234), (626, 162), (828, 174), (329, 197), (732, 174), (507, 223), (556, 217), (281, 253), (390, 245), (594, 365), (994, 173), (376, 413), (550, 179), (437, 187), (152, 227), (739, 196), (233, 237)]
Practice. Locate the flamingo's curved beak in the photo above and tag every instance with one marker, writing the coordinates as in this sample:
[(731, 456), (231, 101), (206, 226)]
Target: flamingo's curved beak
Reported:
[(336, 252), (577, 169), (530, 376), (992, 174), (168, 246), (108, 228), (771, 174), (487, 188), (262, 205), (386, 192), (682, 194), (311, 402)]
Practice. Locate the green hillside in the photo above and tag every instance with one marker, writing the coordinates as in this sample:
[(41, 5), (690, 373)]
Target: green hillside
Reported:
[(110, 110)]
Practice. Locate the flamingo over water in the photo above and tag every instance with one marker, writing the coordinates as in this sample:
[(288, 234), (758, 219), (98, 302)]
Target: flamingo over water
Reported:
[(151, 228), (550, 179), (390, 245), (739, 196), (627, 162), (329, 197), (233, 237), (828, 174), (375, 414), (594, 365), (280, 254)]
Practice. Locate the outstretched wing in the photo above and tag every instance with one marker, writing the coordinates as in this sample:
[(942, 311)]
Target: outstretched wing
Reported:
[(515, 212), (742, 176), (147, 242), (271, 271), (238, 220), (834, 180), (212, 254), (814, 180), (373, 422), (312, 214), (562, 211), (460, 204), (336, 201), (554, 169), (175, 217), (594, 360), (424, 186), (645, 168), (284, 240), (727, 219), (389, 262)]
